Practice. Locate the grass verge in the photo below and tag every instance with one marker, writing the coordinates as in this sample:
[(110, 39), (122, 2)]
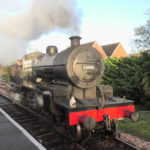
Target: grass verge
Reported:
[(140, 129)]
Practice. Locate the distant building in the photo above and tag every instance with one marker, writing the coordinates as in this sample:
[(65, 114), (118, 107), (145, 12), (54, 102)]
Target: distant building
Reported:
[(98, 47), (110, 50), (114, 50)]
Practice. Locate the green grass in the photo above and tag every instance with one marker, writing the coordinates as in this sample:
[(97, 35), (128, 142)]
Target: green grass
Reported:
[(140, 129)]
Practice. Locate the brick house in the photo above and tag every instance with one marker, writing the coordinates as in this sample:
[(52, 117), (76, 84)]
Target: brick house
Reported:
[(110, 50), (114, 50), (98, 47)]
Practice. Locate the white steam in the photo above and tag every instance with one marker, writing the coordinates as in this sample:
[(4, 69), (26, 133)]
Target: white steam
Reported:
[(42, 17)]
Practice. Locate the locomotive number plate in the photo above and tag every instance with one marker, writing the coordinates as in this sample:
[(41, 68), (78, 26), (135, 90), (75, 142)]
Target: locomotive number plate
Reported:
[(88, 67)]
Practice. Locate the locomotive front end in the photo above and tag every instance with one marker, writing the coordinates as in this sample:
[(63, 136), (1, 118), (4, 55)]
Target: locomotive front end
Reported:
[(85, 65)]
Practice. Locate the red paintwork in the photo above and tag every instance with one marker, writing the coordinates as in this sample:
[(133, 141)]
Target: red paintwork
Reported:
[(114, 113)]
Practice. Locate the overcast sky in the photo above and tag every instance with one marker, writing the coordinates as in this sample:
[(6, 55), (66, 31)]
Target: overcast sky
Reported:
[(106, 21)]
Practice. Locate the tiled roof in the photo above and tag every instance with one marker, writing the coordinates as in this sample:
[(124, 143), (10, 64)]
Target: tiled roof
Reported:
[(109, 49)]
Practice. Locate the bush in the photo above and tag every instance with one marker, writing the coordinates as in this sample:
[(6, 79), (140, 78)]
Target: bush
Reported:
[(129, 77), (5, 73)]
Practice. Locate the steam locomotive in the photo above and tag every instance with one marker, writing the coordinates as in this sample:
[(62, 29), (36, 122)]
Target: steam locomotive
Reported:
[(65, 87)]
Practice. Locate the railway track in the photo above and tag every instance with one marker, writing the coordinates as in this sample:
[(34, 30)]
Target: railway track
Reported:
[(35, 124), (50, 136)]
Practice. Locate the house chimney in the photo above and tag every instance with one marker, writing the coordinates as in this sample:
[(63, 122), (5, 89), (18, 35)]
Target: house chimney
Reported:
[(75, 41)]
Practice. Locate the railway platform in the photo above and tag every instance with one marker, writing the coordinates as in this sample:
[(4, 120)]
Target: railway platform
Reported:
[(14, 137)]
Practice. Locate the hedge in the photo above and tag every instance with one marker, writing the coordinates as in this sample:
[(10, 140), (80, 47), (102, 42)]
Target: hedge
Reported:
[(130, 77)]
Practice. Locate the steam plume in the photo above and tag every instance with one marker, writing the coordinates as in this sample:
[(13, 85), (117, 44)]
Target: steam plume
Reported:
[(41, 17)]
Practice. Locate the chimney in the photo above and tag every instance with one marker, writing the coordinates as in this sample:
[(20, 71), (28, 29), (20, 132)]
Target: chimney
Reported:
[(51, 50), (75, 41)]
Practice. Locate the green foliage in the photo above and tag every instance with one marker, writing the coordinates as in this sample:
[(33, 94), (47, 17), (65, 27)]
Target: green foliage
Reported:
[(140, 128), (130, 77)]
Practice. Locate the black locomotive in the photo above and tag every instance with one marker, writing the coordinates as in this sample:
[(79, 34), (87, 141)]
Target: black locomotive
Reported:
[(65, 87)]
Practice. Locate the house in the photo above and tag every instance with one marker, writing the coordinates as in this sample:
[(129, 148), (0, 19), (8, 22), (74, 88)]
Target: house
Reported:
[(110, 50), (114, 50), (98, 47)]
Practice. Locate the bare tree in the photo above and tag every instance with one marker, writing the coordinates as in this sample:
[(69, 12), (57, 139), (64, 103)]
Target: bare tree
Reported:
[(142, 35)]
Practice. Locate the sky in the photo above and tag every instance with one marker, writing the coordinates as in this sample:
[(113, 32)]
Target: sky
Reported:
[(104, 21)]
